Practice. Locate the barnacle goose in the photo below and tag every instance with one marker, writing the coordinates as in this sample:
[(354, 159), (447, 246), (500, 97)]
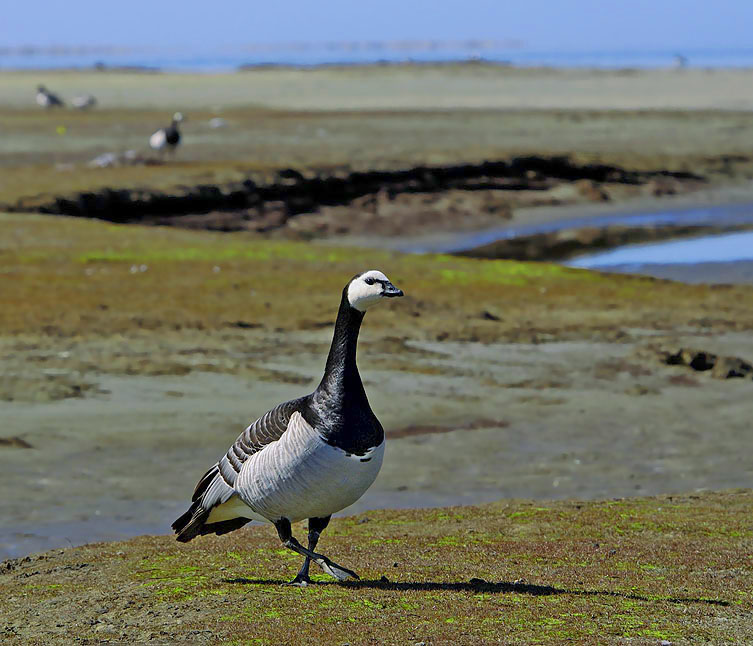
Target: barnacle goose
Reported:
[(46, 99), (306, 458), (167, 138)]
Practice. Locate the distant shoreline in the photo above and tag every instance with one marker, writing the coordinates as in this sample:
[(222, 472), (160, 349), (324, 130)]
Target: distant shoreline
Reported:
[(345, 65), (308, 55)]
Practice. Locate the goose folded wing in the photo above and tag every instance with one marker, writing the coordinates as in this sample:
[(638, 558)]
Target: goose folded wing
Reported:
[(265, 430), (217, 485)]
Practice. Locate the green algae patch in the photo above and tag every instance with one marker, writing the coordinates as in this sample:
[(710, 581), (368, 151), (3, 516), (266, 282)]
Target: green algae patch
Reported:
[(460, 575), (256, 251)]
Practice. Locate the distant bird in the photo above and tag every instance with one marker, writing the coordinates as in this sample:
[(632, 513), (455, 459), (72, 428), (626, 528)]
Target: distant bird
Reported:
[(46, 99), (106, 160), (306, 458), (167, 139), (83, 101)]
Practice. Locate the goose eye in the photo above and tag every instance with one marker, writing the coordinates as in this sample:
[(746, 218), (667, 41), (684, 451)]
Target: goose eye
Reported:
[(368, 281)]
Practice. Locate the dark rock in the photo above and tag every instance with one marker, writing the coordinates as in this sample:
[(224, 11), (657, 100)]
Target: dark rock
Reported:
[(16, 442), (290, 173), (245, 325), (721, 367), (697, 359), (731, 368)]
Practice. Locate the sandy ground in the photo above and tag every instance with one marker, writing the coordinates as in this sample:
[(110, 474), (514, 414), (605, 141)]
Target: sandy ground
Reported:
[(370, 118), (401, 87)]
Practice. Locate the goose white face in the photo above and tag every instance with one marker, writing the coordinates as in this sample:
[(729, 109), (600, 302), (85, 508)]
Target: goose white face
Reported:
[(369, 288)]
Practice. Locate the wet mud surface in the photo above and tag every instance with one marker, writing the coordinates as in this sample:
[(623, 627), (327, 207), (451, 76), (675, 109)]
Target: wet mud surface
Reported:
[(465, 422)]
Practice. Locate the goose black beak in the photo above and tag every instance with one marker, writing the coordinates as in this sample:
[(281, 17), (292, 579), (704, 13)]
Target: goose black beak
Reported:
[(390, 291)]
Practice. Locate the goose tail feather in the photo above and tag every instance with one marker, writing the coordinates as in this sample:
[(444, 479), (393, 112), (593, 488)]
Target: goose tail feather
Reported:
[(210, 492)]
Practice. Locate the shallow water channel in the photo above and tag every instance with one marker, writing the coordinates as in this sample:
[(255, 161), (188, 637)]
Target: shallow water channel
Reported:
[(729, 247), (717, 258), (726, 258), (722, 215)]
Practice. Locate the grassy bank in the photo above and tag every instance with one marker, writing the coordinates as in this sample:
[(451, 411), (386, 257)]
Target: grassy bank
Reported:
[(636, 571), (69, 277)]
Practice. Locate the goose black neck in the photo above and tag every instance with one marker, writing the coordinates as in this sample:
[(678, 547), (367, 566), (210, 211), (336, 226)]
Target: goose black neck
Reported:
[(341, 372)]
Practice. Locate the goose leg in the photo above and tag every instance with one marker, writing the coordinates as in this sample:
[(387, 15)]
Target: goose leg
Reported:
[(330, 567), (316, 527)]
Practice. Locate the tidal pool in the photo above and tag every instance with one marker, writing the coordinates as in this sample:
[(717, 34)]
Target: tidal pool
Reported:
[(721, 215), (729, 247)]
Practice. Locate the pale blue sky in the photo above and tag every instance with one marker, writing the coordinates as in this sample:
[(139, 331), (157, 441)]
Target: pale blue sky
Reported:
[(541, 24)]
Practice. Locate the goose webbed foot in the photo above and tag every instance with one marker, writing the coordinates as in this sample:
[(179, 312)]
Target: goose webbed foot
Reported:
[(316, 526), (301, 580), (334, 570)]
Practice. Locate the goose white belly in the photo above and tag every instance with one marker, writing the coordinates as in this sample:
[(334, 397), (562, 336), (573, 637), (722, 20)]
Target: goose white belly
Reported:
[(301, 476)]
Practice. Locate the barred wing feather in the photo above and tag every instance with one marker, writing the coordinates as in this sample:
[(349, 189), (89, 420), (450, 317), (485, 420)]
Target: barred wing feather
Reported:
[(216, 486)]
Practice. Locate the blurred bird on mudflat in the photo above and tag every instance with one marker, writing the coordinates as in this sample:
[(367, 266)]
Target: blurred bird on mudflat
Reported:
[(46, 99), (167, 139), (83, 101)]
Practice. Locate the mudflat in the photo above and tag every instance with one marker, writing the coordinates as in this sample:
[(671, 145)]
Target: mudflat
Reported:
[(396, 87), (133, 355), (371, 117)]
